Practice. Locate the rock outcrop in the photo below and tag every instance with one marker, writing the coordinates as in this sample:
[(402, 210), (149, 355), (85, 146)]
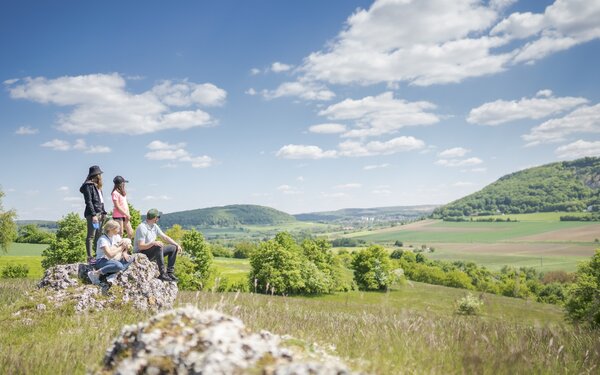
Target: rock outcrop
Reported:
[(137, 285), (189, 341)]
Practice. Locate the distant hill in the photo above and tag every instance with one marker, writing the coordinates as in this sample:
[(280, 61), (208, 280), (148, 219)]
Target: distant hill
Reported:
[(47, 224), (376, 214), (563, 186), (226, 216)]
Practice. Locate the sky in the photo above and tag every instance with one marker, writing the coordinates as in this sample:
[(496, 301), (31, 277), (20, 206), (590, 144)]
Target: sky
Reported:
[(302, 106)]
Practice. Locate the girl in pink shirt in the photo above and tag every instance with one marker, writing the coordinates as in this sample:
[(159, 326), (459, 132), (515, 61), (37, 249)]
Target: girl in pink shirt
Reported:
[(121, 208)]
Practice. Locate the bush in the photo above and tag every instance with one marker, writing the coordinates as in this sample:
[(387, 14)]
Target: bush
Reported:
[(31, 233), (8, 228), (397, 254), (199, 252), (15, 271), (558, 277), (372, 268), (583, 301), (242, 250), (219, 250), (469, 305), (69, 245), (189, 277)]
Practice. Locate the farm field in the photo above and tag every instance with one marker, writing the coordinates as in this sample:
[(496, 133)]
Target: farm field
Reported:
[(538, 241), (410, 329)]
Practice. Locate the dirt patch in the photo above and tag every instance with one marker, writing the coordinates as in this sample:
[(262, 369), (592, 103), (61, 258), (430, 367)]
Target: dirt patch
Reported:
[(519, 248), (586, 233)]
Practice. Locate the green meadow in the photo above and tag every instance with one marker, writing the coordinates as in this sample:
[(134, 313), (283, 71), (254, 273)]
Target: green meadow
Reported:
[(411, 329)]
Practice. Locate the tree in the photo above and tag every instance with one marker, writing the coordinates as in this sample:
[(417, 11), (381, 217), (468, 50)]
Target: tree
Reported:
[(8, 228), (372, 268), (176, 232), (583, 301), (69, 245), (136, 217), (31, 233), (198, 249)]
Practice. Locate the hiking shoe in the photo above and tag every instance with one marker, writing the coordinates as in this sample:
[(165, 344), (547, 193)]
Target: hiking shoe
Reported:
[(165, 277), (91, 261), (94, 278), (110, 278), (172, 276)]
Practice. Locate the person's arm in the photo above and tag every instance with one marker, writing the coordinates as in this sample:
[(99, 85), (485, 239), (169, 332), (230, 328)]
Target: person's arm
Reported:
[(171, 241), (112, 251), (145, 246)]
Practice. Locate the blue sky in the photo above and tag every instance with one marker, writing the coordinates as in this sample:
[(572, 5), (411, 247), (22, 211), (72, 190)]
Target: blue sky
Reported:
[(301, 106)]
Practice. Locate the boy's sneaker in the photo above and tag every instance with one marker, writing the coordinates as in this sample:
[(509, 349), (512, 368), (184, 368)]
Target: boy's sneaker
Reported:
[(172, 276), (111, 277), (94, 278), (164, 277)]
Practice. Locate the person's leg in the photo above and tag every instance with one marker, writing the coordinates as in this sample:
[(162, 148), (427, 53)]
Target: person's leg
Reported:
[(129, 229), (155, 254), (111, 266), (120, 221), (89, 239), (170, 251)]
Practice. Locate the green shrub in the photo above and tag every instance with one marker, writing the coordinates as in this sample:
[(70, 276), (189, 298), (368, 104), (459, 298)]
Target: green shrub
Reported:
[(372, 268), (583, 301), (469, 305), (242, 250), (219, 250), (15, 271), (189, 277), (31, 233), (69, 245), (397, 254), (198, 249)]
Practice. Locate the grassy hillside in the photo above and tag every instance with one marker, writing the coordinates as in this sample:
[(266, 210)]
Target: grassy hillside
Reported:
[(226, 216), (565, 186), (411, 329)]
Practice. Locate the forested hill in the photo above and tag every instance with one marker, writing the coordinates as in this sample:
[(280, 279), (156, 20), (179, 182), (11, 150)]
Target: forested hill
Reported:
[(563, 186), (226, 216)]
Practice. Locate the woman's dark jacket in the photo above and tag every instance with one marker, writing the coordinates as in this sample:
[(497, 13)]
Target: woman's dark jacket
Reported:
[(93, 204)]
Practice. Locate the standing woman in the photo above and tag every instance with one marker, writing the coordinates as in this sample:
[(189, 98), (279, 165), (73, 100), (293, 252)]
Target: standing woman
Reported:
[(121, 208), (94, 208)]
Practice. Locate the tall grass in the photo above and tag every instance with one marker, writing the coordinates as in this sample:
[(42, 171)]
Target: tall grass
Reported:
[(382, 333)]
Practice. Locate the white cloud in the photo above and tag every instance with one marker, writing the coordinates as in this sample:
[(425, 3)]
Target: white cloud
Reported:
[(251, 92), (63, 189), (300, 178), (327, 128), (176, 153), (456, 152), (289, 190), (278, 67), (439, 41), (383, 192), (72, 199), (337, 195), (578, 149), (26, 130), (459, 162), (584, 119), (379, 115), (304, 152), (157, 198), (352, 185), (395, 145), (303, 89), (375, 166), (254, 71), (57, 145), (102, 104), (543, 105)]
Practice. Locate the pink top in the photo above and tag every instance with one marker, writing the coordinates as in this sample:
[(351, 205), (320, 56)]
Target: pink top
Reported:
[(122, 201)]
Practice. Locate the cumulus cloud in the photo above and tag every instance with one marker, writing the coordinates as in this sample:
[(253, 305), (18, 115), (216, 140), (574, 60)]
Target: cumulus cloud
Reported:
[(26, 130), (254, 71), (456, 152), (302, 89), (375, 166), (352, 185), (79, 145), (288, 190), (542, 105), (176, 153), (381, 114), (585, 119), (578, 149), (102, 104), (327, 128), (251, 91), (278, 67), (292, 151), (441, 41), (459, 162), (392, 146)]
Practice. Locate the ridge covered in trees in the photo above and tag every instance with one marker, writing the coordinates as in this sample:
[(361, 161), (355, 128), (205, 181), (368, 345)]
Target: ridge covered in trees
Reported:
[(564, 186)]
